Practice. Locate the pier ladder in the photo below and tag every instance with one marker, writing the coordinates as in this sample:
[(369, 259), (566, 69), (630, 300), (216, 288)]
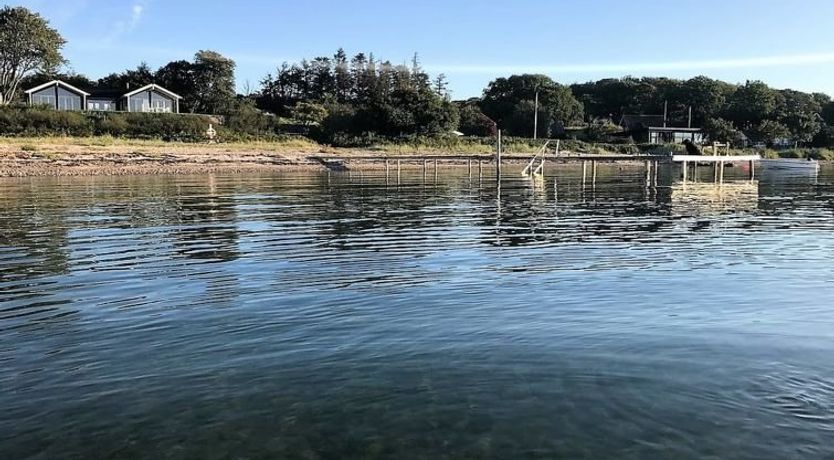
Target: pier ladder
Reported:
[(531, 169)]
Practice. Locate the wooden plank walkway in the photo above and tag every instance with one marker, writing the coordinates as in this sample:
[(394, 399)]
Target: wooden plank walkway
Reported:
[(714, 159)]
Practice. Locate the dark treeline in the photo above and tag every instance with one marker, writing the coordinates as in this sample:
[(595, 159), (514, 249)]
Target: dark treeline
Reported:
[(724, 110), (360, 97)]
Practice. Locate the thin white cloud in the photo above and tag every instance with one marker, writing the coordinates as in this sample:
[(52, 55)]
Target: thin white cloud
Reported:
[(129, 24), (620, 68), (136, 15)]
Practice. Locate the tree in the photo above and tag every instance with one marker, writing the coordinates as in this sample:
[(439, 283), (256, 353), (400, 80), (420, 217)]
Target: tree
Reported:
[(769, 131), (473, 122), (214, 83), (706, 96), (129, 79), (721, 130), (505, 96), (751, 104), (309, 113), (800, 112), (27, 45)]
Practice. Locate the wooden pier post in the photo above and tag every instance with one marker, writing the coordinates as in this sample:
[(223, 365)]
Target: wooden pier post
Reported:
[(435, 170), (685, 170), (648, 165), (425, 169), (594, 173), (656, 166), (469, 166), (752, 170), (584, 171), (398, 172), (498, 157), (480, 169)]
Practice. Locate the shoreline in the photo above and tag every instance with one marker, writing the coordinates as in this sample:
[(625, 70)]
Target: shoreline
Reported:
[(60, 157)]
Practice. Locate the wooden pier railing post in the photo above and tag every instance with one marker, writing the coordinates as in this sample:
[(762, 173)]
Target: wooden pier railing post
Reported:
[(498, 157)]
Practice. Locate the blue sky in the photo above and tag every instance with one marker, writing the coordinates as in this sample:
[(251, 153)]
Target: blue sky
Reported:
[(785, 43)]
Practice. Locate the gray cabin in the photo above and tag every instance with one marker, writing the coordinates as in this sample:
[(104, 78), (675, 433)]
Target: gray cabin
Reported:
[(58, 95), (63, 96)]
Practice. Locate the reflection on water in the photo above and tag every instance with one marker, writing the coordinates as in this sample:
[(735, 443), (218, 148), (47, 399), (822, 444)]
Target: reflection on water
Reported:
[(335, 316)]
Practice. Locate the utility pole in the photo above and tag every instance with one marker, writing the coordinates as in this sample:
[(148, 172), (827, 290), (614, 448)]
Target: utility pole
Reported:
[(536, 118), (690, 116), (665, 112)]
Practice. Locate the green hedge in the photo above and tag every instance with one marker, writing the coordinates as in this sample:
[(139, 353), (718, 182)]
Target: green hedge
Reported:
[(35, 121)]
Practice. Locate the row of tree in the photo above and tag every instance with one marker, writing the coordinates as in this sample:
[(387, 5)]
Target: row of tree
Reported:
[(362, 96), (724, 110)]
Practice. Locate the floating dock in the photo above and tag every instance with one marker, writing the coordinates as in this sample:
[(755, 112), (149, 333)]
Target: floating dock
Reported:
[(717, 161)]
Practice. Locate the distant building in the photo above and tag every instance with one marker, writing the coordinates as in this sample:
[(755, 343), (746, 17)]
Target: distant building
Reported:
[(63, 96), (640, 122), (653, 130), (658, 135)]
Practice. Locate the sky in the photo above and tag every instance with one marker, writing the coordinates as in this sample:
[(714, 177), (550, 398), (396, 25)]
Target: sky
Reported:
[(786, 43)]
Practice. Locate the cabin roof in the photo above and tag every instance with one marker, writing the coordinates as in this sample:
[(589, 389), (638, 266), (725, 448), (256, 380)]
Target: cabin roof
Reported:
[(666, 129), (153, 87), (631, 121), (56, 83)]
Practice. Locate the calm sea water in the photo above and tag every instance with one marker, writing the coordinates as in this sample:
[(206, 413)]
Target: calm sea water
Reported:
[(315, 316)]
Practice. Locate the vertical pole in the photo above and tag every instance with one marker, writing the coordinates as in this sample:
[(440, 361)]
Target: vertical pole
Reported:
[(469, 166), (386, 169), (425, 168), (536, 118), (656, 167), (594, 173), (665, 112), (648, 173), (752, 169), (480, 169), (498, 157), (584, 171), (435, 170), (685, 171), (398, 172), (690, 118)]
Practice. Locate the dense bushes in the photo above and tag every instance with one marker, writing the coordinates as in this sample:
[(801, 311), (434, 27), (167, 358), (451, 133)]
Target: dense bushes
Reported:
[(32, 121)]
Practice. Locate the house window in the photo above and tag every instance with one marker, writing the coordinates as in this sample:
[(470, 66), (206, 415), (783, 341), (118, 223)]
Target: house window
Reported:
[(139, 104), (69, 103), (43, 99), (161, 105)]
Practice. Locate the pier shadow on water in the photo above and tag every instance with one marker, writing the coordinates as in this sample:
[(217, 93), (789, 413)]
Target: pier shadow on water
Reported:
[(354, 315)]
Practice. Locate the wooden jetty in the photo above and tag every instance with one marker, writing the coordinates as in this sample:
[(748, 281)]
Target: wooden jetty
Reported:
[(589, 162), (718, 162)]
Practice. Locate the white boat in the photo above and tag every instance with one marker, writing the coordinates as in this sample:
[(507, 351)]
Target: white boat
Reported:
[(790, 164)]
